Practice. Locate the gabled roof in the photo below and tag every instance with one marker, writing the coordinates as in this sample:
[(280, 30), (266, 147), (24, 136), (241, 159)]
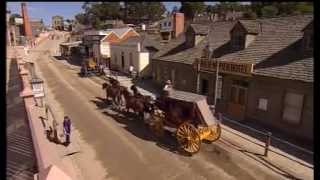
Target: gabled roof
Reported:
[(276, 51), (310, 25), (120, 32), (201, 29), (177, 51), (251, 26), (146, 41)]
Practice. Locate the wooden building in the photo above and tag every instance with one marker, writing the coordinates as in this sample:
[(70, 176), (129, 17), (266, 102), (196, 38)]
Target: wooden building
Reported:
[(266, 70)]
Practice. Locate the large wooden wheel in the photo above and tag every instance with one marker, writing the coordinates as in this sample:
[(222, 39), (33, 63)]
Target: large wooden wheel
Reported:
[(215, 133), (188, 138)]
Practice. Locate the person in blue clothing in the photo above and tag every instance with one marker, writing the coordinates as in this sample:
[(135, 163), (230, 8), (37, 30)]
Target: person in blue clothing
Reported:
[(67, 129)]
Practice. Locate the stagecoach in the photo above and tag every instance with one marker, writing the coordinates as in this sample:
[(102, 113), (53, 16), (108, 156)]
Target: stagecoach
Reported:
[(89, 67), (188, 117)]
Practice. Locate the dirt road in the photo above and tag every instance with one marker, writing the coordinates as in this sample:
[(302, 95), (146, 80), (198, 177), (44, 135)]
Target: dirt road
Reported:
[(121, 143)]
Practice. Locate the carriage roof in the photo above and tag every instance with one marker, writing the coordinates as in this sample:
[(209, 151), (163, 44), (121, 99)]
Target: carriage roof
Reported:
[(185, 96)]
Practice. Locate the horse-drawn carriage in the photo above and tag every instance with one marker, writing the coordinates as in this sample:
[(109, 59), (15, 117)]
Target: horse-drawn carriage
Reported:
[(185, 114), (90, 67), (188, 116)]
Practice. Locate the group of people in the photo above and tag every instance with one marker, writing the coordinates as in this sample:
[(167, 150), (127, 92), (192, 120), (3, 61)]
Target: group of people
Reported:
[(66, 131)]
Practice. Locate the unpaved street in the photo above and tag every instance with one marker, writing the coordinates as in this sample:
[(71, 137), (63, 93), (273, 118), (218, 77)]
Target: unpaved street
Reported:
[(124, 147)]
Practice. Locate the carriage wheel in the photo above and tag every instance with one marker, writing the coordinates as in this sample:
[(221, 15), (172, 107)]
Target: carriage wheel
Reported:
[(188, 138), (157, 126), (215, 133)]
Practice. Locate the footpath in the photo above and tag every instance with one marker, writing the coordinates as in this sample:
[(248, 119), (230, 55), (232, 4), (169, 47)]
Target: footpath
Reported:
[(54, 161)]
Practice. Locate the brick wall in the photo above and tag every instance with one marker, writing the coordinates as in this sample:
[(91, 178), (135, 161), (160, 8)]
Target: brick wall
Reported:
[(178, 23)]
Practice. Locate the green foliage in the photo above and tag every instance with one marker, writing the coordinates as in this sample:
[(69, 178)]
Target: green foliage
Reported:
[(249, 15), (150, 10), (304, 7), (190, 9), (269, 11), (12, 17), (95, 13)]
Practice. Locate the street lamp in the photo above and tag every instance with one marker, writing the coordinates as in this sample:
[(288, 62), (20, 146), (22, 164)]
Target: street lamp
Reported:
[(37, 86), (38, 90)]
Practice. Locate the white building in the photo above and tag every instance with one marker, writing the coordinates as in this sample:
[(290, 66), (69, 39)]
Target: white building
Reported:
[(129, 52), (98, 42)]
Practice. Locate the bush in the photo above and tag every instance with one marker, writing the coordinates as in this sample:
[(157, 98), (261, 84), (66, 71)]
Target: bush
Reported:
[(269, 11), (249, 15)]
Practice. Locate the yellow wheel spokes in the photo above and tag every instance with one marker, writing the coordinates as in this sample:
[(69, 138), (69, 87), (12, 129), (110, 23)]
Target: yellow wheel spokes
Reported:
[(188, 138)]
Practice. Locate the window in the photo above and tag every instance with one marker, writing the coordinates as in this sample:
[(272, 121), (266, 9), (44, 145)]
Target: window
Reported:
[(263, 104), (130, 59), (158, 74), (165, 24), (205, 87), (169, 23), (184, 82), (237, 40), (173, 73), (233, 95), (310, 41), (293, 104), (219, 90)]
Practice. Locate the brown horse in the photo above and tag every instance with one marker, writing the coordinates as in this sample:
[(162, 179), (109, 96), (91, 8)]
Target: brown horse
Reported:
[(138, 105), (112, 92), (114, 81)]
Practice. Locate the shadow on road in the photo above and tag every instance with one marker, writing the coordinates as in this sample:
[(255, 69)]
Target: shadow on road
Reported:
[(136, 127), (75, 60)]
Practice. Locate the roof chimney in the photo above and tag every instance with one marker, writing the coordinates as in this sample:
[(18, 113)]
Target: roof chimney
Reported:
[(26, 23), (178, 23)]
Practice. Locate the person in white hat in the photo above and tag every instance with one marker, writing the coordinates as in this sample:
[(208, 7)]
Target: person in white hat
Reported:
[(168, 87)]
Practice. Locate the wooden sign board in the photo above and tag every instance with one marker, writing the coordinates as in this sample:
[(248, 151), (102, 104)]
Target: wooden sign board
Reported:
[(226, 67)]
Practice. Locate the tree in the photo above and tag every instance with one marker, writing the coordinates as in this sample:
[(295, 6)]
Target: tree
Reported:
[(95, 13), (249, 15), (154, 10), (269, 11), (150, 10), (12, 17), (175, 9), (82, 19), (190, 9)]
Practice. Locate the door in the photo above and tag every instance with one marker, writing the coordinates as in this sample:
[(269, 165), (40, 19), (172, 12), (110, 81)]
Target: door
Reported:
[(173, 72), (204, 87), (122, 61), (237, 102)]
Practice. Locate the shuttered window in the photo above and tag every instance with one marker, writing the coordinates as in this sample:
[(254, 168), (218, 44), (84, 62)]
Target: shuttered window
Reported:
[(293, 104), (263, 104)]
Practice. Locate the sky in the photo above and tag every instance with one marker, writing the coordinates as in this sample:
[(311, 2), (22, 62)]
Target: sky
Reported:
[(45, 10)]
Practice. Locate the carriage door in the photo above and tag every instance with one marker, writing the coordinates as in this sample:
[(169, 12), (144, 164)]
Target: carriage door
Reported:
[(238, 100)]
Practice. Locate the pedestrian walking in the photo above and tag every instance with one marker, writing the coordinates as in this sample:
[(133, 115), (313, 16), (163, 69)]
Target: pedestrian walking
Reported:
[(131, 70), (167, 88), (101, 67), (67, 129)]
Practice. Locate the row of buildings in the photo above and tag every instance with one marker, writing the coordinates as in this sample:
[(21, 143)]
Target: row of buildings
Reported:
[(265, 65), (21, 28)]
